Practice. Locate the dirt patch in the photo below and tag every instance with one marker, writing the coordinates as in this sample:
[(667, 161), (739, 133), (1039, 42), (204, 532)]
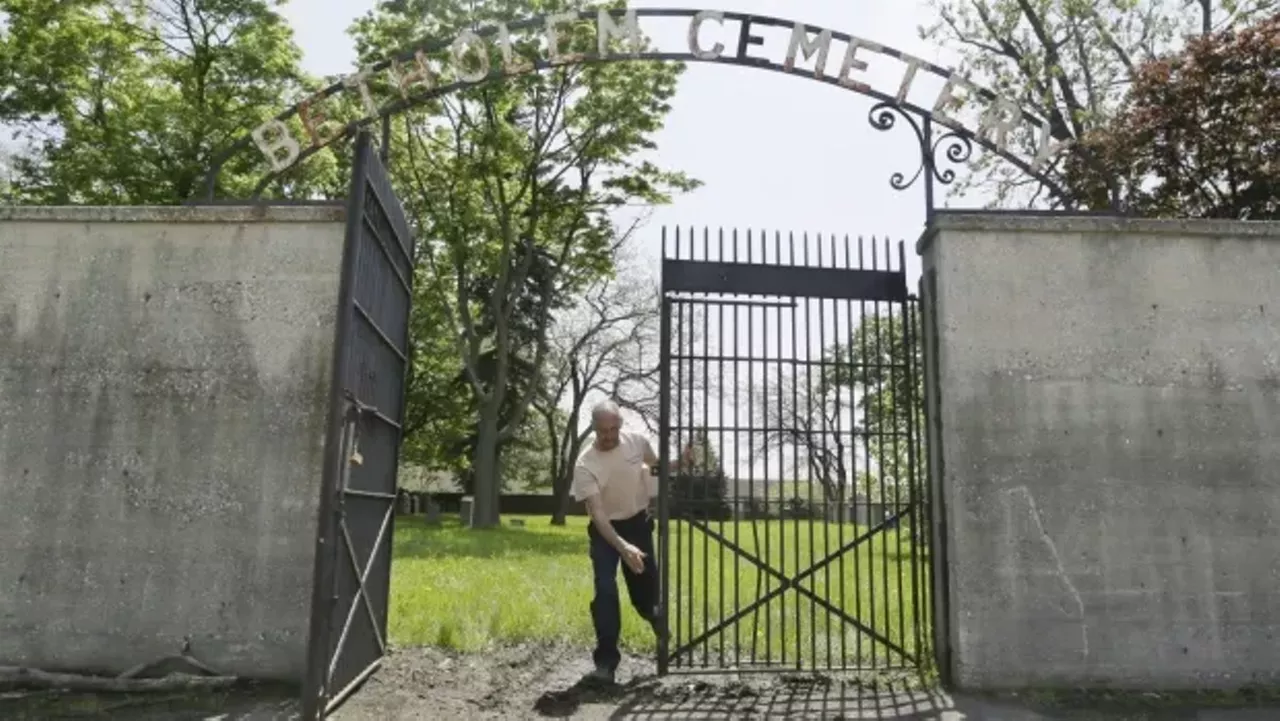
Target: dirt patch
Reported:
[(539, 681), (530, 681), (542, 681), (247, 702)]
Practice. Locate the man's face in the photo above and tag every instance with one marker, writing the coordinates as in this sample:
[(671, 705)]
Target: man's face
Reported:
[(607, 427)]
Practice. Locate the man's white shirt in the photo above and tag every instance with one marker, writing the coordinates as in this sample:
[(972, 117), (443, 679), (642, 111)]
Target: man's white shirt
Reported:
[(619, 476)]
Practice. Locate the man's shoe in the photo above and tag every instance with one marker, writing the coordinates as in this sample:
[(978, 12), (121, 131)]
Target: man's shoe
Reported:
[(601, 675)]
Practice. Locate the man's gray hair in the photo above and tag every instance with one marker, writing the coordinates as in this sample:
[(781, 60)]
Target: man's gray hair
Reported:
[(606, 408)]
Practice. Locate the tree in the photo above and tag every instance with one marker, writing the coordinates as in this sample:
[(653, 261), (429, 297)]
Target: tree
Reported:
[(860, 410), (1069, 61), (129, 101), (6, 177), (439, 408), (598, 348), (885, 376), (513, 181), (1199, 133), (811, 412), (525, 456), (699, 484), (523, 379)]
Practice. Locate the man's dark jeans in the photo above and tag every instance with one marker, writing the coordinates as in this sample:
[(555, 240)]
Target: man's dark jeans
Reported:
[(606, 611)]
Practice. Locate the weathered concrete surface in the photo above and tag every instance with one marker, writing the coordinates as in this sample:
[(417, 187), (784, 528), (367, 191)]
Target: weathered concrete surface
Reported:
[(163, 392), (1110, 449)]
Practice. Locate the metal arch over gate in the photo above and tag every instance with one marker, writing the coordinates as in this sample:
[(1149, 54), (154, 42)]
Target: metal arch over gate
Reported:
[(793, 516), (348, 629), (437, 67)]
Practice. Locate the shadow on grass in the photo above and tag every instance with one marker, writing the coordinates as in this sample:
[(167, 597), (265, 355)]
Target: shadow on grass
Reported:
[(414, 538)]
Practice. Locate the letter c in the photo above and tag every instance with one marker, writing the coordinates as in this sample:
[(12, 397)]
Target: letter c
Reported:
[(695, 26)]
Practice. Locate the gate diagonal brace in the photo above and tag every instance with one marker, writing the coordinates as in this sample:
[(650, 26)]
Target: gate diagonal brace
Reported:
[(794, 583), (363, 578)]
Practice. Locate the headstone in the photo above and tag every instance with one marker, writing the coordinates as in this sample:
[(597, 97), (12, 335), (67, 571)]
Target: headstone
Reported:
[(433, 513), (464, 510)]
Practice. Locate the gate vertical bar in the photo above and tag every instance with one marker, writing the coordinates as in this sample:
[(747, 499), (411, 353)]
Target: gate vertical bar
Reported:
[(808, 399), (323, 595), (825, 429), (782, 469), (843, 477), (688, 349), (913, 450), (853, 478), (704, 438), (721, 477), (664, 462), (737, 463), (895, 376)]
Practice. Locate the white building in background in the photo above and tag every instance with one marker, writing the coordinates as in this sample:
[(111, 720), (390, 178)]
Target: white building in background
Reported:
[(801, 498)]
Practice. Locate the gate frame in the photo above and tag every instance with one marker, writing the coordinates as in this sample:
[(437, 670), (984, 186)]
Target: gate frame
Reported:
[(790, 280), (346, 413)]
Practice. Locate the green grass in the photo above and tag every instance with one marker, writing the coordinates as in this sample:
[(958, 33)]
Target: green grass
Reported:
[(462, 589)]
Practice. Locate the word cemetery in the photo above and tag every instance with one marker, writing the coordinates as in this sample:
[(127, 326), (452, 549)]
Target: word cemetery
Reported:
[(713, 37)]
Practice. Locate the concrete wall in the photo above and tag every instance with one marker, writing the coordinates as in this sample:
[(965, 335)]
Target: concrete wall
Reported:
[(164, 378), (1109, 396)]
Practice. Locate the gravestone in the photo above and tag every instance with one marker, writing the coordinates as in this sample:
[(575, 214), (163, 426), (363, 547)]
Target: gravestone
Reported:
[(433, 512), (464, 510)]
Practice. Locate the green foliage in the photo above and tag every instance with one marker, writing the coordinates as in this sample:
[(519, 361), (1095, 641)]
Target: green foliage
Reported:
[(442, 591), (438, 406), (129, 101), (883, 366), (511, 184), (1069, 61), (697, 455), (1199, 133), (699, 486)]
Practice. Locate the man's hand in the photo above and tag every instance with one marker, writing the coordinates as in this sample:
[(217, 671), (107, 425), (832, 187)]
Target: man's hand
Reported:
[(633, 557)]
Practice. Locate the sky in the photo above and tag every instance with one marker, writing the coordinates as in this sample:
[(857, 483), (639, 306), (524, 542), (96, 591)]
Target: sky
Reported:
[(774, 152)]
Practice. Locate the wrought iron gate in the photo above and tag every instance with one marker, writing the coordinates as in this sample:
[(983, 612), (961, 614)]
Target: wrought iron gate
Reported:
[(793, 518), (357, 502)]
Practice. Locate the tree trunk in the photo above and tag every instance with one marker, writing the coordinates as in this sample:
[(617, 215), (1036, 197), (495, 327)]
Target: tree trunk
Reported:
[(487, 468), (564, 481), (561, 492)]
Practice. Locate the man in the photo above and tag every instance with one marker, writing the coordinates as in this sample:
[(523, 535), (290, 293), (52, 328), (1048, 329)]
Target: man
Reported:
[(612, 477)]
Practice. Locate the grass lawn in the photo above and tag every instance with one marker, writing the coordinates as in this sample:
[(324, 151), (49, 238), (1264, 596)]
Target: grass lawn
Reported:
[(463, 589)]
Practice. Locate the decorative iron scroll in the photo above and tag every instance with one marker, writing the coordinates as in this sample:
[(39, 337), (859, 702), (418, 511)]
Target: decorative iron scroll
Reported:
[(419, 75), (959, 149)]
